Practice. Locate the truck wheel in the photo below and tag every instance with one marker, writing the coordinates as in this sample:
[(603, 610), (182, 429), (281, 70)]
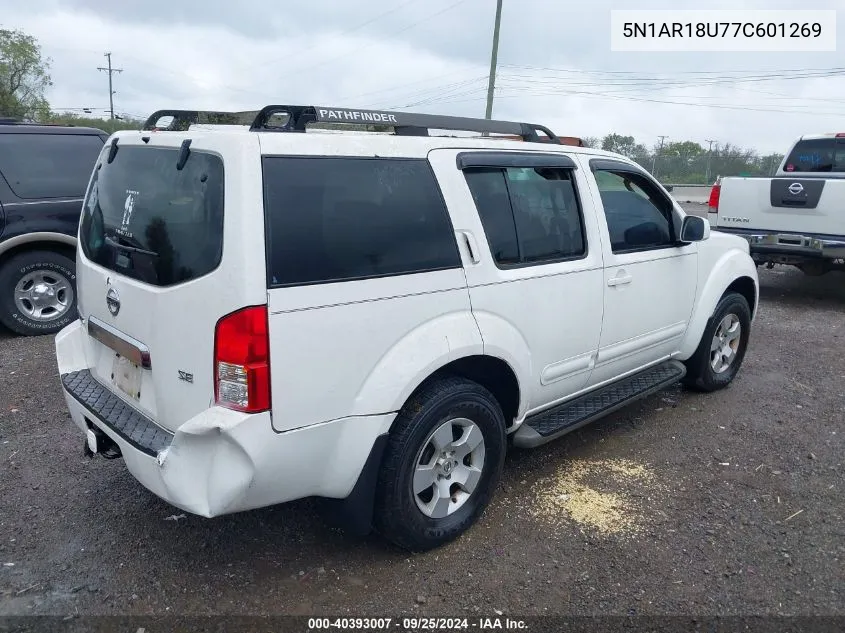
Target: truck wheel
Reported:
[(443, 459), (37, 293), (722, 348)]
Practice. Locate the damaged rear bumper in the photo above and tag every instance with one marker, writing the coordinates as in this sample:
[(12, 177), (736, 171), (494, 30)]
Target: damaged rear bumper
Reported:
[(220, 461)]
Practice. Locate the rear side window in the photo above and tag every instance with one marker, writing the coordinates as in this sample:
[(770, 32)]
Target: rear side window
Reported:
[(817, 155), (145, 219), (530, 215), (48, 165), (335, 219)]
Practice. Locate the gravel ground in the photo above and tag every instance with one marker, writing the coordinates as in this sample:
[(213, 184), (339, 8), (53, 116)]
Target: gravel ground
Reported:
[(727, 504)]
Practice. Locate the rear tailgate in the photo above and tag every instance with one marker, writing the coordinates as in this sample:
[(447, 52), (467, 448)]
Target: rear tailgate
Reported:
[(800, 205), (158, 265)]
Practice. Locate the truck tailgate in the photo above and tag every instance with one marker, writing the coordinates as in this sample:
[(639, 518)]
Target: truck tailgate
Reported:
[(809, 206)]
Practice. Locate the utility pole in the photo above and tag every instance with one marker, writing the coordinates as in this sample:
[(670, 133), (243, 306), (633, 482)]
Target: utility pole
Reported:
[(709, 148), (491, 82), (654, 161), (110, 71)]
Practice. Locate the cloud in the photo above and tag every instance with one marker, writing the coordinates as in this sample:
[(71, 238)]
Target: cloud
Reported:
[(555, 64)]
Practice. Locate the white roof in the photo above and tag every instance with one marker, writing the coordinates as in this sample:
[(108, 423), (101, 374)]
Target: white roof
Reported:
[(355, 142)]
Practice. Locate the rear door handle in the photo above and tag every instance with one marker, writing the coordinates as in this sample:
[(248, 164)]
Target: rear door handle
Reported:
[(619, 280), (471, 246)]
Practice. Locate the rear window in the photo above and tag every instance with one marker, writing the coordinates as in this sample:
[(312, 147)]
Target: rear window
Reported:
[(822, 154), (335, 219), (48, 165), (145, 219)]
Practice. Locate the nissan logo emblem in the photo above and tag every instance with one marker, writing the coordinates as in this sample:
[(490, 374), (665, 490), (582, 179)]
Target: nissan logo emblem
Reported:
[(113, 301), (795, 188)]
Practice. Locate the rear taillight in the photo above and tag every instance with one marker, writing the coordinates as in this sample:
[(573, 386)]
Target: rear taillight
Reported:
[(715, 192), (242, 361)]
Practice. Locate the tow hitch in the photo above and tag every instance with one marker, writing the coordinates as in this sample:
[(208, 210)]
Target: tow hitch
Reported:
[(98, 443)]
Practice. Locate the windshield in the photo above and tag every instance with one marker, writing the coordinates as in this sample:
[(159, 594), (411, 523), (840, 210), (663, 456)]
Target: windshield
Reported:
[(146, 219)]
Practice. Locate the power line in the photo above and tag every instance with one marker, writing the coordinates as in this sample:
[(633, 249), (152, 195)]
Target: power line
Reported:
[(523, 93), (345, 32), (110, 71), (438, 93), (682, 72), (365, 46), (657, 83), (399, 88)]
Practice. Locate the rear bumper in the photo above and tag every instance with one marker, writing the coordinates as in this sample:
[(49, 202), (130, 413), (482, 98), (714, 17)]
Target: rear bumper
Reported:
[(220, 461), (765, 243)]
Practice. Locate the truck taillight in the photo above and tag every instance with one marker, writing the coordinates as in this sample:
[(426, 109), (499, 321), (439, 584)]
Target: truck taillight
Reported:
[(714, 198), (242, 361)]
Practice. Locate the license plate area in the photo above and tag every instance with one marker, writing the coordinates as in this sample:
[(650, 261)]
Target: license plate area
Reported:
[(126, 376)]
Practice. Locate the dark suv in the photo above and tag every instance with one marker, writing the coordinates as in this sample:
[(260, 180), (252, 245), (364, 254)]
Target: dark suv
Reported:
[(44, 171)]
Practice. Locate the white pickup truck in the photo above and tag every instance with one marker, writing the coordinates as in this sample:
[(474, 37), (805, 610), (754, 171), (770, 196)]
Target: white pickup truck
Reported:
[(798, 216)]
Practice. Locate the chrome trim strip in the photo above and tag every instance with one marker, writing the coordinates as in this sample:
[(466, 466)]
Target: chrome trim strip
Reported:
[(123, 344)]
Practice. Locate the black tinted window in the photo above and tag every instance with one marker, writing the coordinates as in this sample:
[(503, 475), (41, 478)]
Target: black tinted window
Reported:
[(638, 215), (146, 219), (823, 154), (490, 191), (528, 214), (334, 219), (48, 165)]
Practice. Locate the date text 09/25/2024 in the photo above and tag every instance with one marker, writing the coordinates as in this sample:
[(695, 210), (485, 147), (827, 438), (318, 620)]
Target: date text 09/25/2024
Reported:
[(417, 624)]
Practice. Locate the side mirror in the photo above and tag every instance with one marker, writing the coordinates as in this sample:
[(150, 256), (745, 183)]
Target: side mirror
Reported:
[(694, 229)]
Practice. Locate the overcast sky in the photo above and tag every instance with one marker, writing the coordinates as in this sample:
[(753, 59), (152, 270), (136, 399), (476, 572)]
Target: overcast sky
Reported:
[(555, 64)]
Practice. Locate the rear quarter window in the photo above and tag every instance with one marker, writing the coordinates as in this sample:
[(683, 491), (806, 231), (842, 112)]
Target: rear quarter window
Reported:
[(40, 166), (337, 219)]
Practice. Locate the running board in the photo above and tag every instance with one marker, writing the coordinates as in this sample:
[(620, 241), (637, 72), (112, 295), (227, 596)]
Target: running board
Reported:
[(553, 423)]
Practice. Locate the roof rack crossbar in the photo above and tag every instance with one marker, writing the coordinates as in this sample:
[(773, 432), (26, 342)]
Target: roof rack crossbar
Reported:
[(296, 118)]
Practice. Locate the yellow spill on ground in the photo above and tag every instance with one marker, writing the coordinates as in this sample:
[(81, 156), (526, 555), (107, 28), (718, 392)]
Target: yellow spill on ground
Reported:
[(598, 495)]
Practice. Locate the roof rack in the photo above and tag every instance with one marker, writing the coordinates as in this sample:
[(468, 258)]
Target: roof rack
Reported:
[(296, 118)]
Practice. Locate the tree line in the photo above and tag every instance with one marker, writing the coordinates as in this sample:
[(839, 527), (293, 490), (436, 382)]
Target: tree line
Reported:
[(689, 162), (25, 79)]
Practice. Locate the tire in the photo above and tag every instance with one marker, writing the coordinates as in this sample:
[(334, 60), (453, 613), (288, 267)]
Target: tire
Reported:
[(40, 273), (701, 373), (398, 516)]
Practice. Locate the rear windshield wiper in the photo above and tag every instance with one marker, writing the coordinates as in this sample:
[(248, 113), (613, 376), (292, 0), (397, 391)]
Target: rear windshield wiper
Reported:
[(131, 249)]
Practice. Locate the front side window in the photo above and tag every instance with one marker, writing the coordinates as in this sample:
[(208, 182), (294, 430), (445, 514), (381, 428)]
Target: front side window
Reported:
[(336, 219), (529, 214), (148, 220), (639, 216)]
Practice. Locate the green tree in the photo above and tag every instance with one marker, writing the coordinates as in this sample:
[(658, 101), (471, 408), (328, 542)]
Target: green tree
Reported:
[(625, 145), (24, 76), (107, 125)]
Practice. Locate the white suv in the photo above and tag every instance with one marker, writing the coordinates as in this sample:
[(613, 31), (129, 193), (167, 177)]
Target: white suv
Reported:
[(276, 311)]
